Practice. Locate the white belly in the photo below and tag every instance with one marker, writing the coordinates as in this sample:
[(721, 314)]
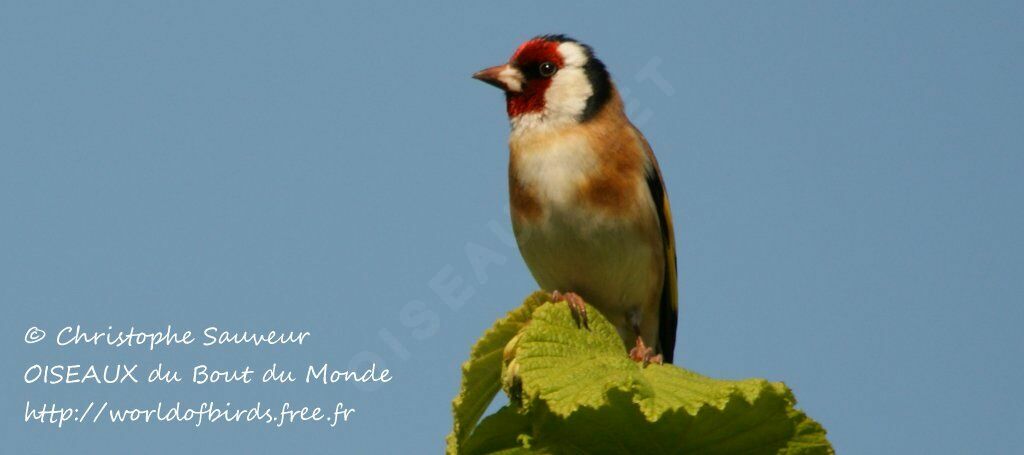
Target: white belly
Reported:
[(613, 266)]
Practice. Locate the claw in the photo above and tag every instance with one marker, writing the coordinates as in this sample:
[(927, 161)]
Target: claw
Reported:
[(576, 305), (643, 354)]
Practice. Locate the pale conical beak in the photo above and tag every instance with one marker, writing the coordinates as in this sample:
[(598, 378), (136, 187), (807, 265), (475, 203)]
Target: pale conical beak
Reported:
[(491, 76)]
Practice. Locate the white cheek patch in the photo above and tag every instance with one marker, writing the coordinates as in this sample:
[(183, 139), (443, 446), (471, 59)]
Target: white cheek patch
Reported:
[(512, 78), (568, 93), (573, 54), (570, 89)]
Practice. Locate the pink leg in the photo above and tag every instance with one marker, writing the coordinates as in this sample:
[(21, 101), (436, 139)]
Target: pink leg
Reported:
[(576, 305), (643, 354)]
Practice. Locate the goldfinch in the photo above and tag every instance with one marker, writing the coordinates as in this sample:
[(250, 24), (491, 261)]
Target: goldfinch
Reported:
[(588, 203)]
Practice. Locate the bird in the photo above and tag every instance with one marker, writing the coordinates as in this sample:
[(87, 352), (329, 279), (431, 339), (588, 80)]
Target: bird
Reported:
[(589, 209)]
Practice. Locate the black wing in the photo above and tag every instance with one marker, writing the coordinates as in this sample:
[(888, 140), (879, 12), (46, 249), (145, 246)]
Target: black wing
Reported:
[(668, 312)]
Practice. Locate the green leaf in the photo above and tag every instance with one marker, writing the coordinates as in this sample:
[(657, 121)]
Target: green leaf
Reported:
[(482, 372), (501, 432), (576, 391), (571, 368)]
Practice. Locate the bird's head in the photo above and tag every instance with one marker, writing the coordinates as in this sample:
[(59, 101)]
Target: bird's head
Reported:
[(550, 80)]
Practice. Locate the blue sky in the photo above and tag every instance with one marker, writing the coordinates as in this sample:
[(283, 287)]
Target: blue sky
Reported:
[(846, 181)]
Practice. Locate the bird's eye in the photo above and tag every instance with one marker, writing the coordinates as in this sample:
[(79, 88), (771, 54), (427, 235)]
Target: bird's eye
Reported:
[(547, 69)]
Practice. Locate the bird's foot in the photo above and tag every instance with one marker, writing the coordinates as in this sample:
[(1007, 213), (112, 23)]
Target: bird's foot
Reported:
[(643, 354), (576, 305)]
